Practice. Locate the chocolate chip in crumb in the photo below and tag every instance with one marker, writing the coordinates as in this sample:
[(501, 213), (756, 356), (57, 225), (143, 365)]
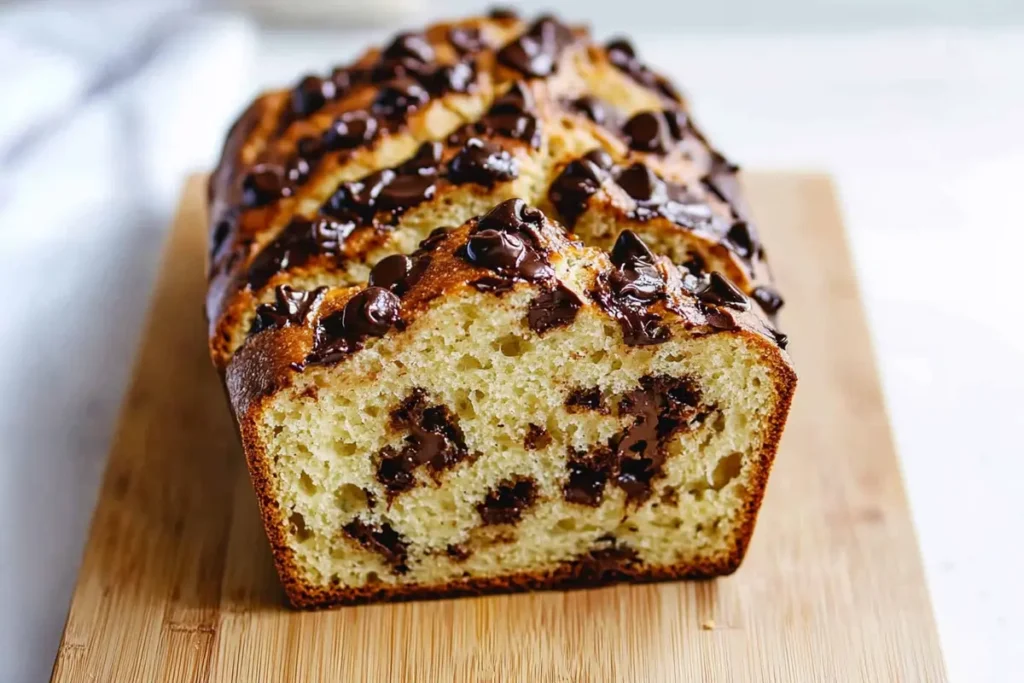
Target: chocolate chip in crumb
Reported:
[(381, 539), (585, 399), (506, 503), (587, 477), (536, 52), (553, 308), (398, 97), (536, 438), (434, 439), (311, 94)]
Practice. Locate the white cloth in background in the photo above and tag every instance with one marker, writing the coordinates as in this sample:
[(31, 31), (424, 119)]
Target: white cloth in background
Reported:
[(83, 213)]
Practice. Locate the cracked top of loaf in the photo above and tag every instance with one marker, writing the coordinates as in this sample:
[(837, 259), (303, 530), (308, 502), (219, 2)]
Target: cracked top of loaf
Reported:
[(324, 191)]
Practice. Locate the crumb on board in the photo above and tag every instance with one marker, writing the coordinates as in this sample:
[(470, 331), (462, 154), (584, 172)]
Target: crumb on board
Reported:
[(708, 625)]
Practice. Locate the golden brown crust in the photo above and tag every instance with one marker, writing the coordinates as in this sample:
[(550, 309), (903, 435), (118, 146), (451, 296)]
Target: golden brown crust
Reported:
[(250, 223)]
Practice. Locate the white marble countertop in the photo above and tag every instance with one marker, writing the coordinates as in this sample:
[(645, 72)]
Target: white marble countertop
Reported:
[(922, 130)]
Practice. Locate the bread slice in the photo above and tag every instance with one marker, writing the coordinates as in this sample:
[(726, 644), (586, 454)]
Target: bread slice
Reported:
[(430, 410), (524, 412)]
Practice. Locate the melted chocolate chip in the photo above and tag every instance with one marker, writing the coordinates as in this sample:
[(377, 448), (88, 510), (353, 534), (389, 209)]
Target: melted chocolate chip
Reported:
[(398, 97), (648, 131), (435, 439), (370, 313), (718, 291), (458, 77), (642, 184), (588, 476), (506, 503), (593, 108), (413, 46), (505, 240), (295, 245), (629, 248), (424, 162), (603, 565), (351, 129), (511, 115), (781, 339), (493, 285), (622, 55), (406, 190), (742, 239), (579, 400), (466, 39), (626, 292), (434, 239), (483, 163), (661, 407), (391, 272), (310, 95), (768, 298), (553, 308), (381, 539), (535, 53), (457, 552), (390, 189), (503, 13), (577, 183), (536, 438), (290, 307), (263, 184)]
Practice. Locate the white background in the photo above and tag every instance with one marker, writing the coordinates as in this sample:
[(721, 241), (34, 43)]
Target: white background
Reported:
[(923, 129)]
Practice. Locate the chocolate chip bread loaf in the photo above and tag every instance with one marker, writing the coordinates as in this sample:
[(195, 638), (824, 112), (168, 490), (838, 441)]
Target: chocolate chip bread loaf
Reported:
[(492, 315)]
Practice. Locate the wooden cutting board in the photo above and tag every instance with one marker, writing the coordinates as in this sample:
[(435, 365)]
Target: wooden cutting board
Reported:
[(177, 582)]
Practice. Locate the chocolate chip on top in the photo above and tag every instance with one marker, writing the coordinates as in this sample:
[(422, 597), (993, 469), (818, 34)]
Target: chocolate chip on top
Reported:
[(300, 241), (768, 298), (483, 163), (466, 39), (506, 241), (718, 291), (535, 53), (648, 131), (630, 288), (290, 307), (264, 184), (398, 97), (512, 115), (350, 129), (577, 183), (390, 189), (370, 313), (622, 55)]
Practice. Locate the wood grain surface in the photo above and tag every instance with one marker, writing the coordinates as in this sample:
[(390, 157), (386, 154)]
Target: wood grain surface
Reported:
[(177, 582)]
